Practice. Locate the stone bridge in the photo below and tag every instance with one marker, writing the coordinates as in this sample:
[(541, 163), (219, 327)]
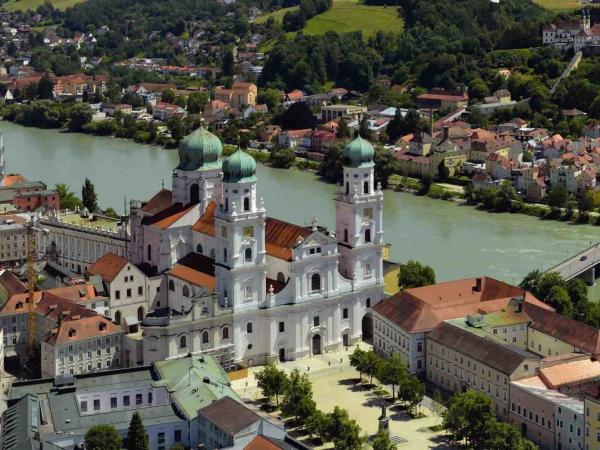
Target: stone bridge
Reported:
[(584, 265)]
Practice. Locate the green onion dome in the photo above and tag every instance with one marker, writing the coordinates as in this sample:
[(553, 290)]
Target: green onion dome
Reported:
[(239, 167), (200, 150), (359, 153)]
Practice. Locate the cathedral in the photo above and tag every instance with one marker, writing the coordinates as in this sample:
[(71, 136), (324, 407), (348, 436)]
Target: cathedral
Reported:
[(231, 281)]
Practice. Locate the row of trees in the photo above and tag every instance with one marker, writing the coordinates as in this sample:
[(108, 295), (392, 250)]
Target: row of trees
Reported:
[(469, 418), (389, 371), (295, 391)]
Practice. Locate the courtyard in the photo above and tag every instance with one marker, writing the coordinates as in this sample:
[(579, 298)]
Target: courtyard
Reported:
[(335, 383)]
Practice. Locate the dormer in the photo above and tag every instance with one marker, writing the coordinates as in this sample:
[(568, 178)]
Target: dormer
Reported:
[(72, 332), (19, 305), (102, 326)]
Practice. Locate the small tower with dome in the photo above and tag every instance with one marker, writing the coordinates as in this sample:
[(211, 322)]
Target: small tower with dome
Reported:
[(197, 178), (240, 236), (359, 215)]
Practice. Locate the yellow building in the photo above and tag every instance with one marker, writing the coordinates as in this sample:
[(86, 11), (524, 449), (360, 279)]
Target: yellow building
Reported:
[(391, 272), (591, 406), (243, 95)]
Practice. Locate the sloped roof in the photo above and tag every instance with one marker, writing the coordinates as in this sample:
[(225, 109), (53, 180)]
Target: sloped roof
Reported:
[(281, 237), (206, 223), (577, 334), (421, 309), (196, 269), (169, 216), (81, 329), (12, 284), (261, 443), (161, 201), (570, 372), (108, 266), (229, 415), (501, 357)]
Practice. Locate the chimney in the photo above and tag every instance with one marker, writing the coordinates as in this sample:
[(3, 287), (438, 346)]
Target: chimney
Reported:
[(446, 132), (477, 287)]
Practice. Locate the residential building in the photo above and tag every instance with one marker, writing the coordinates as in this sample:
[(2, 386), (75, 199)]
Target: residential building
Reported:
[(164, 111), (13, 240), (243, 95), (216, 110), (77, 239), (126, 286), (441, 99), (332, 112), (111, 108)]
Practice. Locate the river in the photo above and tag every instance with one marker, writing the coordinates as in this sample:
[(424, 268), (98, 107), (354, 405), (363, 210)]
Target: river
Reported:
[(457, 241)]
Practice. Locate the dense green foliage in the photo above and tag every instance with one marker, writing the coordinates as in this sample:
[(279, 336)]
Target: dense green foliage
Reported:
[(102, 437), (272, 382), (88, 196), (469, 417), (414, 274), (295, 20), (444, 44), (137, 439)]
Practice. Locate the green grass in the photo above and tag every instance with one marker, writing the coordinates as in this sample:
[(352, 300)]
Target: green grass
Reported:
[(276, 15), (346, 16), (559, 5), (24, 5)]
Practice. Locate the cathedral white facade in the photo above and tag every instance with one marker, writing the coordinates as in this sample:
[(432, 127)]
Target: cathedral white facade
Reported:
[(246, 287)]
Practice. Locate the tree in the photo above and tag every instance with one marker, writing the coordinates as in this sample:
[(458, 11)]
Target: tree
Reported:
[(298, 116), (318, 424), (228, 63), (370, 365), (88, 196), (272, 382), (468, 416), (343, 431), (504, 436), (68, 200), (196, 102), (102, 437), (175, 127), (136, 435), (557, 197), (357, 359), (79, 115), (414, 274), (411, 391), (45, 88), (443, 171), (332, 165), (298, 390), (437, 404), (385, 165), (559, 299), (382, 441), (392, 371), (168, 96), (282, 158), (270, 97), (426, 182)]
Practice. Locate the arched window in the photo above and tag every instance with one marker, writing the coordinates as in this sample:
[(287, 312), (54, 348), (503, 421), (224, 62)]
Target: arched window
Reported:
[(347, 188), (368, 302), (199, 248), (366, 187), (171, 285), (205, 337), (225, 333), (213, 253), (224, 255), (194, 193), (315, 282), (249, 327), (182, 342), (246, 204), (248, 293), (345, 234), (248, 255), (185, 291), (368, 235), (149, 252), (280, 277), (140, 314), (118, 317)]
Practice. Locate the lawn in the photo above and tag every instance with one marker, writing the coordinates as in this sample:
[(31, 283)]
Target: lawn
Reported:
[(559, 5), (345, 16), (276, 15), (23, 5)]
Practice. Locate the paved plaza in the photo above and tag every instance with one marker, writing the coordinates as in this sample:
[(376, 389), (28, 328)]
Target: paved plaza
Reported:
[(335, 384)]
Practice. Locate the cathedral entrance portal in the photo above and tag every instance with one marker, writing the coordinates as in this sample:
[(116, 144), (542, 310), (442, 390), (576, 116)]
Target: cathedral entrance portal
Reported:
[(316, 344), (282, 355), (367, 328)]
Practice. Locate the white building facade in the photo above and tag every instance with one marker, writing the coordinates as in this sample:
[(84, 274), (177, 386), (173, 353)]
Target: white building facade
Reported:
[(235, 278)]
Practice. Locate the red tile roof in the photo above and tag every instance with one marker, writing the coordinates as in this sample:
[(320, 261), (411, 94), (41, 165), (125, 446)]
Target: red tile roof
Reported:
[(75, 329), (12, 284), (169, 216), (260, 443), (421, 309), (229, 415), (281, 237), (161, 201), (108, 266), (196, 269), (206, 223)]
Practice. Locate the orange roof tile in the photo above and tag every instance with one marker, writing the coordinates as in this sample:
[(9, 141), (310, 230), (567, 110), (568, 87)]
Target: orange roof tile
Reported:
[(570, 372), (12, 179), (169, 216), (161, 201), (108, 266), (260, 443), (206, 223), (82, 329), (196, 269), (281, 237)]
